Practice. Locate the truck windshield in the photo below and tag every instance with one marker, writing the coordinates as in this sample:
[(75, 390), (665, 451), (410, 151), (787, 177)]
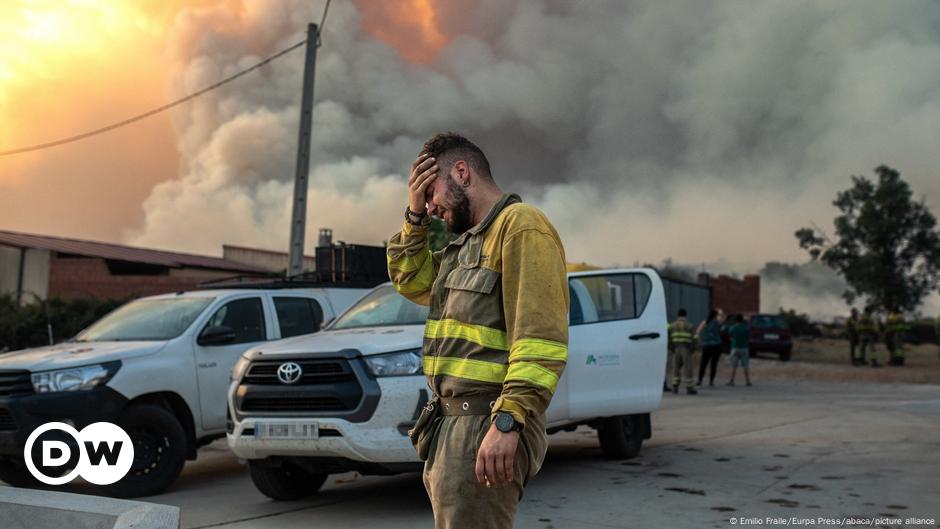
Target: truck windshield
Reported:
[(146, 319), (383, 306)]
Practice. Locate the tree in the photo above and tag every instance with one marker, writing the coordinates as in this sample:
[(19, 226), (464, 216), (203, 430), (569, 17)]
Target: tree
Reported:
[(887, 247)]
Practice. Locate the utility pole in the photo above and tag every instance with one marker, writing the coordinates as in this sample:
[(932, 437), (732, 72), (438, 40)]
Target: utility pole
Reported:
[(299, 216)]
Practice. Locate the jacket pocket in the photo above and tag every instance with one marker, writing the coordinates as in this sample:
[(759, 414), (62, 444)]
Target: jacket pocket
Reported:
[(482, 280)]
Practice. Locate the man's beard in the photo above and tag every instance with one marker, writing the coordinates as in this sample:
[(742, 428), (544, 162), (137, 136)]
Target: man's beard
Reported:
[(459, 205)]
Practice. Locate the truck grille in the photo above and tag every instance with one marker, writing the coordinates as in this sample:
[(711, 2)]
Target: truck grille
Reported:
[(314, 372), (325, 386), (6, 421), (15, 383)]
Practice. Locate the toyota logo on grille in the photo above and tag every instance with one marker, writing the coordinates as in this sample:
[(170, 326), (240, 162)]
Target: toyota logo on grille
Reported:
[(289, 372)]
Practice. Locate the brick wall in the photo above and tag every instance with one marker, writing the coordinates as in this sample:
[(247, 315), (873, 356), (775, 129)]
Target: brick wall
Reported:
[(736, 296), (82, 277)]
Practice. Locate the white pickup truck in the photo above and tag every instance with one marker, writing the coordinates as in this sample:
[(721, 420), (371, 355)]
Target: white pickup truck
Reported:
[(344, 398), (159, 367)]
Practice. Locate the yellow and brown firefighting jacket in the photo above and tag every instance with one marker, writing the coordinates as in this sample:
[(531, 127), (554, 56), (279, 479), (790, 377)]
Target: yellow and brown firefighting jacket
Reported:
[(867, 326), (680, 332), (498, 294), (895, 323), (851, 327)]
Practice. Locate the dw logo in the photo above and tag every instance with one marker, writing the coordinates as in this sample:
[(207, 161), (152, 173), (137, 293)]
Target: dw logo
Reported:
[(102, 453)]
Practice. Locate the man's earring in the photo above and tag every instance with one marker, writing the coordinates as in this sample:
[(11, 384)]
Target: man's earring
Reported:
[(466, 183)]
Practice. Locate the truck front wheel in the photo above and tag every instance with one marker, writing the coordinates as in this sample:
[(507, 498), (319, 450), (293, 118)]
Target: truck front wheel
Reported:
[(621, 437), (159, 451), (280, 479)]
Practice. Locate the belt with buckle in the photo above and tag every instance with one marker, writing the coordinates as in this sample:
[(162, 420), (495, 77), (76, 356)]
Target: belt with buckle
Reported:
[(467, 405)]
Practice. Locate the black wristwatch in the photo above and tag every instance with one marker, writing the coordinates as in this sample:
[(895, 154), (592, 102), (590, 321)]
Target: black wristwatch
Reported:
[(419, 216), (506, 423)]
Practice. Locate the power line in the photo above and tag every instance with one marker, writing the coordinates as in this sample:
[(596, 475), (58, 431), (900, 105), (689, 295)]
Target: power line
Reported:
[(322, 21)]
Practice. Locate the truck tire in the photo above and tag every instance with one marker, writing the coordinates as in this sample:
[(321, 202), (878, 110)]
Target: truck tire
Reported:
[(785, 355), (620, 437), (13, 472), (159, 451), (284, 481)]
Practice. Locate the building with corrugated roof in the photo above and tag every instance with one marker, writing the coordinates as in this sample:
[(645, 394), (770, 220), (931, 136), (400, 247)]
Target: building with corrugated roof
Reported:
[(39, 267), (270, 260)]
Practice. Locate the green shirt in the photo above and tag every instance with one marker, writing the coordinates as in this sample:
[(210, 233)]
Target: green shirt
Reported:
[(739, 335)]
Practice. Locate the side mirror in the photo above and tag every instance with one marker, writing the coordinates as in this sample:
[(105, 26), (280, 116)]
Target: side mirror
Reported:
[(217, 335)]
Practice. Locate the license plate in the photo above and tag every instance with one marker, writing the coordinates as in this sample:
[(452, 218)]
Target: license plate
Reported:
[(771, 336), (293, 430)]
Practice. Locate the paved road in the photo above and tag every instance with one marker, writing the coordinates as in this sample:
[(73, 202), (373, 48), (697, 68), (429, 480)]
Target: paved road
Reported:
[(782, 448)]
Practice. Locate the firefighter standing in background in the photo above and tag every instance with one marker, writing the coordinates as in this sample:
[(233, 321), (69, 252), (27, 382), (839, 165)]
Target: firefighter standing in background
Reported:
[(851, 331), (681, 346), (936, 334), (496, 339), (895, 327), (867, 328)]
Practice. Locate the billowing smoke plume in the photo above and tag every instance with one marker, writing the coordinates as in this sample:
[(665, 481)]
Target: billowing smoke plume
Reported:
[(701, 131), (809, 288)]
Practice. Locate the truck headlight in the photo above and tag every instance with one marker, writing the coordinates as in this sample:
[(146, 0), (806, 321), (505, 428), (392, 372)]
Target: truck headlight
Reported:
[(75, 378), (240, 367), (396, 364)]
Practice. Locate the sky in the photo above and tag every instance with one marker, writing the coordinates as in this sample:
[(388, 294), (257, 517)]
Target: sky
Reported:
[(702, 132)]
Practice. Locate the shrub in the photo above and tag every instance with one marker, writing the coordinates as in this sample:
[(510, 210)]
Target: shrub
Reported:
[(29, 325), (800, 324)]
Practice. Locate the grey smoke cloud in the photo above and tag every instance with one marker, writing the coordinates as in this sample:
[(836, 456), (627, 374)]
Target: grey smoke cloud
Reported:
[(700, 131)]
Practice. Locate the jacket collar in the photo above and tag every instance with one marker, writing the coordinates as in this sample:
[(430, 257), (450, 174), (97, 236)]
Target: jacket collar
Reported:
[(506, 200)]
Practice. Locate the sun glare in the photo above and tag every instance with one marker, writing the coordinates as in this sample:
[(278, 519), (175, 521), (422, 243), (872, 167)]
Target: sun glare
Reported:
[(44, 39)]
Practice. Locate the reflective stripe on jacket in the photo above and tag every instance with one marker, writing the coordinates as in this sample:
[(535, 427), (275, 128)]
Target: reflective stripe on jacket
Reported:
[(680, 331), (867, 325), (895, 323), (498, 295)]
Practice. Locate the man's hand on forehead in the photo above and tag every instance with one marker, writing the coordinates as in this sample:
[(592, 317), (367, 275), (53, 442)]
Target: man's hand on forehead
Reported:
[(423, 172)]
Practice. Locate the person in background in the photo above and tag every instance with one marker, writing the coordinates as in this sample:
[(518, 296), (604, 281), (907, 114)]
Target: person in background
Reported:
[(726, 324), (682, 345), (867, 328), (709, 335), (851, 332), (895, 328), (936, 333), (740, 356)]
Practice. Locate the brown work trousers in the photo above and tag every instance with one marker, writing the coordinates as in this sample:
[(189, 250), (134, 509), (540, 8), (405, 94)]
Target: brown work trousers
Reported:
[(458, 500), (682, 364)]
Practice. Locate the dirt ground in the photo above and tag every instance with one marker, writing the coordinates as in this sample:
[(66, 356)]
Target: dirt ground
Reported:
[(827, 360)]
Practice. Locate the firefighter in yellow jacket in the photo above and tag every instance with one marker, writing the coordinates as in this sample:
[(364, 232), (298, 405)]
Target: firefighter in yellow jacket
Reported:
[(682, 346), (936, 332), (867, 328), (851, 332), (496, 339), (895, 328)]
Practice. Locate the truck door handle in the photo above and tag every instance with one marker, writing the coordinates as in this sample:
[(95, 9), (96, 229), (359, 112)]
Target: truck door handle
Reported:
[(645, 336)]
